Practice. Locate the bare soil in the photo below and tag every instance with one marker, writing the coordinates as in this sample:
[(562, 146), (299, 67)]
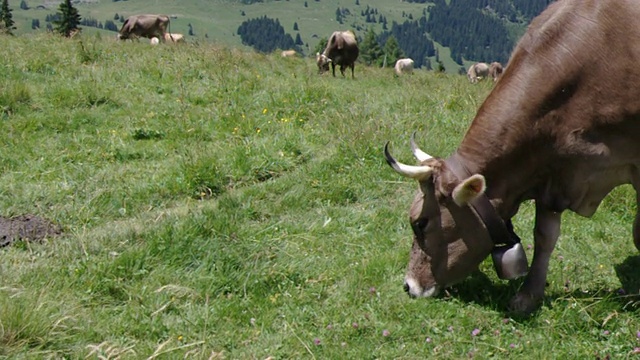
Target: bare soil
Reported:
[(26, 227)]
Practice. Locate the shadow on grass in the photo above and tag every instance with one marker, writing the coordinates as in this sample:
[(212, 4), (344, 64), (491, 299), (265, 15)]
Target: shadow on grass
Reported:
[(481, 290)]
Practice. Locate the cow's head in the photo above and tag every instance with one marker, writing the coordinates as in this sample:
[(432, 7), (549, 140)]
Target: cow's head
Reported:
[(449, 239), (323, 62)]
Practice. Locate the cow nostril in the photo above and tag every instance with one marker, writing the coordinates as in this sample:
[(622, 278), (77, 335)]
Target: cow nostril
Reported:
[(406, 288)]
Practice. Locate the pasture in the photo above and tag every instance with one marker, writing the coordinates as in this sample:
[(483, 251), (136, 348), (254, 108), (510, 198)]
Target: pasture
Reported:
[(217, 203)]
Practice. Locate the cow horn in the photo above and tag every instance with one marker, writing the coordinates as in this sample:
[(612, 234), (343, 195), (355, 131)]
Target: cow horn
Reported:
[(419, 154), (419, 173)]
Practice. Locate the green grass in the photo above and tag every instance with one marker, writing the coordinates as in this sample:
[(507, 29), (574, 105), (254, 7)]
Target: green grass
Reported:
[(217, 202)]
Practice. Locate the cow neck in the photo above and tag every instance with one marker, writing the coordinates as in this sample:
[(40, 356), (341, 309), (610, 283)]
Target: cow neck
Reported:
[(499, 231)]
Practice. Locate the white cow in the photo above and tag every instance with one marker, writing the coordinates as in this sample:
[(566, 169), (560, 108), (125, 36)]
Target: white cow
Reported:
[(404, 66), (289, 53), (478, 71), (174, 37)]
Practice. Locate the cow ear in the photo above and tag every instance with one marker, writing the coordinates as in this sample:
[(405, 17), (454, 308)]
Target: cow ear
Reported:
[(469, 189)]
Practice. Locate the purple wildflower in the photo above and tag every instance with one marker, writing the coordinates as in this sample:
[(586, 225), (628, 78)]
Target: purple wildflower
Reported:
[(512, 345), (385, 332), (636, 350), (622, 291), (605, 333), (505, 320), (316, 341), (428, 339), (475, 332), (372, 290), (355, 325)]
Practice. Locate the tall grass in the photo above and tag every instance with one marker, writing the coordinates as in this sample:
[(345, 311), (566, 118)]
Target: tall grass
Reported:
[(224, 204)]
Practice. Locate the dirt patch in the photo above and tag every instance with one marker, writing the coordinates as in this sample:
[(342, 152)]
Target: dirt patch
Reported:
[(26, 227)]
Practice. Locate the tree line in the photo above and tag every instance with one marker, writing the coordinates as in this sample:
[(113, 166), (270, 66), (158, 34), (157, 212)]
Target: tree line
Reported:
[(66, 20), (266, 35), (474, 30)]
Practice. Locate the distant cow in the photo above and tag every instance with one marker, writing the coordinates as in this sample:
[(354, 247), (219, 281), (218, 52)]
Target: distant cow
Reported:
[(495, 70), (289, 53), (174, 37), (147, 26), (477, 71), (342, 49), (154, 41), (404, 66)]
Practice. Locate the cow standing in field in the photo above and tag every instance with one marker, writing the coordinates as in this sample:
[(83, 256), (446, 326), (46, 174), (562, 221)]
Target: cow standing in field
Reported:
[(495, 70), (147, 26), (174, 37), (342, 49), (561, 127), (404, 66), (289, 53), (477, 71)]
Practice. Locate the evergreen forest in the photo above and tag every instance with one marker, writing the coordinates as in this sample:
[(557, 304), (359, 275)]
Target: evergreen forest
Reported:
[(474, 30)]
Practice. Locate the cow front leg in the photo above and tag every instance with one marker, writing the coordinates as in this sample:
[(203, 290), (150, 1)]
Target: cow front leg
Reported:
[(636, 222), (546, 232)]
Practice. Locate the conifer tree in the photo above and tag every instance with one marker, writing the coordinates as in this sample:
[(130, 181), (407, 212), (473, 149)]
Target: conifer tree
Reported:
[(392, 50), (370, 51), (69, 19), (6, 18)]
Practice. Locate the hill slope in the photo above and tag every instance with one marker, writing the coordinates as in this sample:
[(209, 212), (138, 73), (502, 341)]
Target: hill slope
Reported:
[(218, 203), (479, 30)]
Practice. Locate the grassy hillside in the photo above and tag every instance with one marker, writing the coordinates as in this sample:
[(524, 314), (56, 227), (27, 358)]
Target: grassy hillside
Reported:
[(218, 203), (220, 19)]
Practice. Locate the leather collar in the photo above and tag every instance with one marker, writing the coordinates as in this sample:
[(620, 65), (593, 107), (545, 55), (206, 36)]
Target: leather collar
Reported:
[(501, 232)]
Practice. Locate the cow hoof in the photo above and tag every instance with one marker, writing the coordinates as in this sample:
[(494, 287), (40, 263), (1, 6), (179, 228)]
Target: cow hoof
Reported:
[(524, 304)]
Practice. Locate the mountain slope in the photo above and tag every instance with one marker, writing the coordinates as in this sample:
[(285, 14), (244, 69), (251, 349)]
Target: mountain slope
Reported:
[(474, 30)]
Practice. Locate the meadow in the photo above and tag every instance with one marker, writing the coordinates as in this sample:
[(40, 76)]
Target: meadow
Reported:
[(222, 204), (217, 21)]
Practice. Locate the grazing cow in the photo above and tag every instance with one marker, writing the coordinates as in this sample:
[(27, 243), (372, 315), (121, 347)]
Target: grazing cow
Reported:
[(404, 66), (289, 53), (342, 49), (147, 26), (154, 41), (561, 127), (495, 70), (173, 37), (478, 71)]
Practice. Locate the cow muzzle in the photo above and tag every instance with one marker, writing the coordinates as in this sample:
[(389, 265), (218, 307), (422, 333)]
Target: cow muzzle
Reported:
[(510, 261)]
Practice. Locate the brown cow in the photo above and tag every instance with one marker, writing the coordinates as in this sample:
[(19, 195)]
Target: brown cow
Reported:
[(148, 26), (342, 49), (495, 70), (561, 127)]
